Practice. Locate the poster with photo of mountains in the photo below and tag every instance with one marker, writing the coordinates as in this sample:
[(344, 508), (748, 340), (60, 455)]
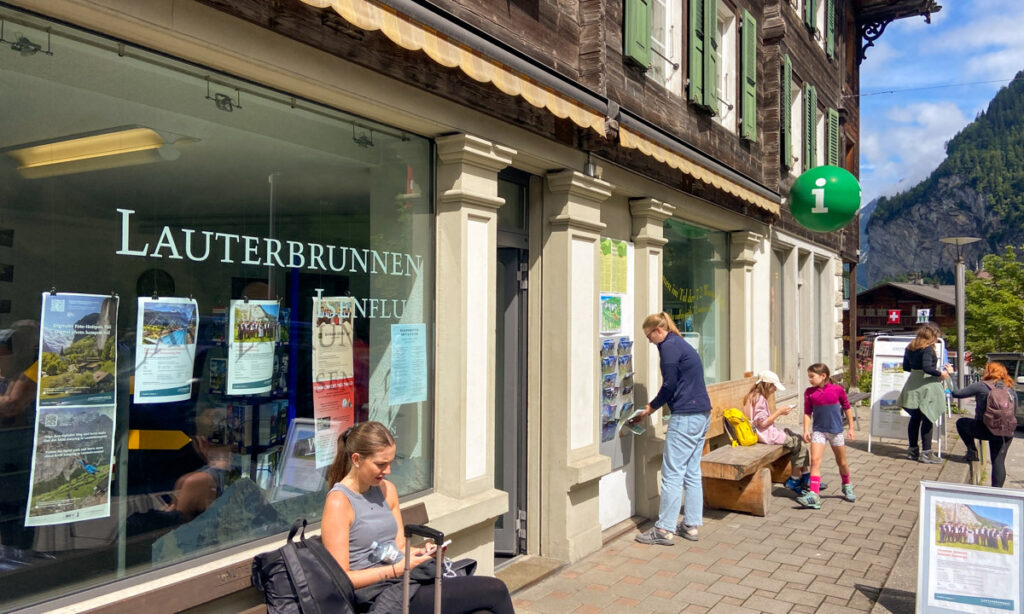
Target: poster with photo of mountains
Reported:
[(77, 350), (165, 349)]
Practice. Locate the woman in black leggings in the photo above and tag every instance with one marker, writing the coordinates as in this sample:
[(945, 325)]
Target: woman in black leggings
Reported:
[(923, 396), (362, 528), (974, 428)]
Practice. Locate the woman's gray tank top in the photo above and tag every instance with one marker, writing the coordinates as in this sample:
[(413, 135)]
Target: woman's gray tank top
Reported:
[(372, 523)]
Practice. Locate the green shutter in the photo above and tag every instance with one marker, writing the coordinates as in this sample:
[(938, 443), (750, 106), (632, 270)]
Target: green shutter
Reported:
[(809, 14), (784, 112), (748, 77), (696, 51), (637, 37), (833, 137), (810, 136), (711, 52), (830, 28)]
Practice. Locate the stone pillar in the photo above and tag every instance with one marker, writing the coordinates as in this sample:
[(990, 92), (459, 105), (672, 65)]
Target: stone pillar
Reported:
[(571, 464), (745, 247), (648, 237), (467, 208)]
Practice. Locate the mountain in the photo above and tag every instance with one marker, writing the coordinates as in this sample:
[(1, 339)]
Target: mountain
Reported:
[(865, 216), (977, 191)]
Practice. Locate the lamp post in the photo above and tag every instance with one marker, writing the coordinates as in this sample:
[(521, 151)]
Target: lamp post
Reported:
[(960, 242)]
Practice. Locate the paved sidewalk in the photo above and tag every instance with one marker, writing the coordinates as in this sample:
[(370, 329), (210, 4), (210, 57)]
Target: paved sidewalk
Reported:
[(836, 560)]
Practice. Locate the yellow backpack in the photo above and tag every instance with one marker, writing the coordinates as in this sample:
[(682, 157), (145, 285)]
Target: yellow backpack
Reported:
[(739, 428)]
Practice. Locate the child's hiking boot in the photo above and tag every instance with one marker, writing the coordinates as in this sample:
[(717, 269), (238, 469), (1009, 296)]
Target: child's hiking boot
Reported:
[(796, 485), (928, 457), (810, 499), (656, 537), (848, 493)]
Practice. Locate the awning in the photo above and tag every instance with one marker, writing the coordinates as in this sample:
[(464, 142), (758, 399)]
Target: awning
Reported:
[(631, 140), (415, 37), (409, 34)]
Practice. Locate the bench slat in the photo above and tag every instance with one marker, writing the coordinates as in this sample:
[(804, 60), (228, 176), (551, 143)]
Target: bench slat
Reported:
[(734, 463)]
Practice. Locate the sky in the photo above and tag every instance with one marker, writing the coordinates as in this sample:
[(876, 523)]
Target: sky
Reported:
[(922, 83)]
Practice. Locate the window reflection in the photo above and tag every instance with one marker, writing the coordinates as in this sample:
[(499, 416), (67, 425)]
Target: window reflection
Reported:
[(271, 199)]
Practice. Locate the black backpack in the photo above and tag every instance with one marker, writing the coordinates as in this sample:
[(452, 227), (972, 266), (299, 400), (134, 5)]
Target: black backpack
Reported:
[(302, 578), (999, 416)]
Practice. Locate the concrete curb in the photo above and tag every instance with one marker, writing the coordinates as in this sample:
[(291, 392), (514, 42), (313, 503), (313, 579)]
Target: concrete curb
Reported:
[(899, 593)]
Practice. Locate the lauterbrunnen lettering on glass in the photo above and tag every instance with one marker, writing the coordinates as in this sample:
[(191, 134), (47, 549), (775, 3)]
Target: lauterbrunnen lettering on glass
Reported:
[(269, 252)]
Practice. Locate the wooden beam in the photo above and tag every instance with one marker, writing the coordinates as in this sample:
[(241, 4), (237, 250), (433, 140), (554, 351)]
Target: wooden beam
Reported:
[(751, 494)]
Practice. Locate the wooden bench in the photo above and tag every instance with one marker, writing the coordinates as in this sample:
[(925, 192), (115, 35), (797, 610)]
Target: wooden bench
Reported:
[(738, 478)]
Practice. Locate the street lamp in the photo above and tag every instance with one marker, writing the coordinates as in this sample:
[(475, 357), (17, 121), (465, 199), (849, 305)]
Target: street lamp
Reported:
[(960, 242)]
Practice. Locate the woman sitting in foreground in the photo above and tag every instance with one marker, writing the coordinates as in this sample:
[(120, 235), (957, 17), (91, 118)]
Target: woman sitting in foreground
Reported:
[(362, 528)]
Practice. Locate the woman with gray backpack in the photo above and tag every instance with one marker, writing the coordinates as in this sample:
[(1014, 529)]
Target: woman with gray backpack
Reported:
[(995, 417)]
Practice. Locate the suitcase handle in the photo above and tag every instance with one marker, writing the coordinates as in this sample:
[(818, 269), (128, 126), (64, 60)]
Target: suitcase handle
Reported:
[(438, 539)]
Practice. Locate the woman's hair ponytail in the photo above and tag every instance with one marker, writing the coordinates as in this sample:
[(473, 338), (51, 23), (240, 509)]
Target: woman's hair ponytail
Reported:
[(659, 320), (364, 439)]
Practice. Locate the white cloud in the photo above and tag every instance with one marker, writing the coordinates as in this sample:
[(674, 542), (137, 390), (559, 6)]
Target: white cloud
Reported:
[(908, 145)]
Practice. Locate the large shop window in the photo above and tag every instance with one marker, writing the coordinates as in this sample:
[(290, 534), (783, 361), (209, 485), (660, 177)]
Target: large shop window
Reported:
[(696, 292), (168, 389)]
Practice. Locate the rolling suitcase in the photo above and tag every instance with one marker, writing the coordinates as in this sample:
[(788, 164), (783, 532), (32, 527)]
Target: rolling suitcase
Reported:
[(438, 538)]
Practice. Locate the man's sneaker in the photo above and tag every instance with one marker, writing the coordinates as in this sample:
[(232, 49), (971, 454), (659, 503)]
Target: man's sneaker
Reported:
[(810, 499), (796, 485), (687, 532), (928, 457), (656, 537), (848, 493)]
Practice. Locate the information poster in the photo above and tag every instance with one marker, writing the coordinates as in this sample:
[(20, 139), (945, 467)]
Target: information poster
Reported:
[(165, 349), (252, 336), (408, 363), (887, 379), (611, 313), (969, 560), (74, 430), (333, 373), (614, 265)]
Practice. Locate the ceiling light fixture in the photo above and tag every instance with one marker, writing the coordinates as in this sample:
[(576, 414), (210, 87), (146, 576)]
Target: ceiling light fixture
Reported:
[(80, 153)]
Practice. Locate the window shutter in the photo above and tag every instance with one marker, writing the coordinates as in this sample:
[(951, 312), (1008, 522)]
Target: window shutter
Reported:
[(696, 51), (748, 77), (784, 112), (809, 14), (810, 106), (830, 28), (833, 137), (637, 37), (711, 50)]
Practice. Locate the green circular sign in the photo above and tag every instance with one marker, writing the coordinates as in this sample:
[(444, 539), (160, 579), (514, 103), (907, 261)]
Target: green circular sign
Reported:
[(825, 198)]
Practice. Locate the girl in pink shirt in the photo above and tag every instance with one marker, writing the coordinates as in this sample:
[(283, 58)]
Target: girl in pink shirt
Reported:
[(755, 405)]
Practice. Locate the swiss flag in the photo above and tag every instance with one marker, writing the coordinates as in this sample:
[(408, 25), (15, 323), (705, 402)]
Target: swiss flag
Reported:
[(894, 316)]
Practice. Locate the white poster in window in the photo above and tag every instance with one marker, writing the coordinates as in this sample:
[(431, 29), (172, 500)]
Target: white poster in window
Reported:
[(165, 349), (74, 430), (333, 373), (408, 364), (252, 336), (969, 560)]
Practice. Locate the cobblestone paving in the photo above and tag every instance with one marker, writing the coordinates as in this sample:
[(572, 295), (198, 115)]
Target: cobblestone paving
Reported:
[(834, 560)]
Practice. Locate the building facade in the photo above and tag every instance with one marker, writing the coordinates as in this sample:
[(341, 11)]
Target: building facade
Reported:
[(230, 228)]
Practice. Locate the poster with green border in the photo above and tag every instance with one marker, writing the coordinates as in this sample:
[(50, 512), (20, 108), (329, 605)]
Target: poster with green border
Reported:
[(611, 313)]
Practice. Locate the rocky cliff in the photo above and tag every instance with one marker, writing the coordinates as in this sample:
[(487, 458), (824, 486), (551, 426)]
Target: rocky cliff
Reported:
[(977, 191)]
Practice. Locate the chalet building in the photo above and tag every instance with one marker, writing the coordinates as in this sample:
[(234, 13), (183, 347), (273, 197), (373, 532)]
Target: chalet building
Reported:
[(898, 308), (495, 194)]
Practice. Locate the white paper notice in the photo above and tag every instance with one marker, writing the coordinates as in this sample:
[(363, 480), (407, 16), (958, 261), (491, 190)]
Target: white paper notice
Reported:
[(165, 349), (408, 363), (974, 567), (252, 335)]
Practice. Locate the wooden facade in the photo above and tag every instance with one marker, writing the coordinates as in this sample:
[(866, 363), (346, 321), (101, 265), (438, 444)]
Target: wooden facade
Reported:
[(582, 42)]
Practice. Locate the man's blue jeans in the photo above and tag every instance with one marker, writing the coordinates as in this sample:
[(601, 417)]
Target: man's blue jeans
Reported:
[(680, 469)]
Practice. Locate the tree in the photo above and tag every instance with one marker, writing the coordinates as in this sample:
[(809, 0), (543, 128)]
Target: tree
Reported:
[(994, 309)]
